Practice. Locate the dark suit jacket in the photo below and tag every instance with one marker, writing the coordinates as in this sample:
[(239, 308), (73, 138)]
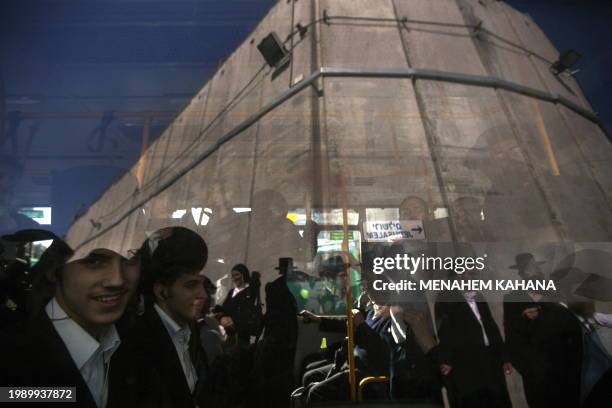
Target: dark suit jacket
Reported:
[(281, 313), (151, 372), (34, 355), (461, 343), (245, 311), (518, 330), (547, 351)]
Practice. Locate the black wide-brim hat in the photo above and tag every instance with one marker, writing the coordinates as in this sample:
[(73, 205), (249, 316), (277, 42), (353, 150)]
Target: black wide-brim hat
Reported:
[(52, 258), (174, 247), (58, 249), (30, 235)]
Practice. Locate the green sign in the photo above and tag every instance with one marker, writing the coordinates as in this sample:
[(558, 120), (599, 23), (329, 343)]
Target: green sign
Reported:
[(339, 235)]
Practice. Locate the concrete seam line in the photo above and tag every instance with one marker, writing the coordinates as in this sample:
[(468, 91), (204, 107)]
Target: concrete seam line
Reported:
[(426, 74)]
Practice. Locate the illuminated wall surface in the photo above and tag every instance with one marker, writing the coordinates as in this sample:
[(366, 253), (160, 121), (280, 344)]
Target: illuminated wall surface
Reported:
[(492, 163), (498, 147), (347, 124)]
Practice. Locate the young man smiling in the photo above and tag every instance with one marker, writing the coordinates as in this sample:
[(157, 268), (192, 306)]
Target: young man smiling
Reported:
[(70, 342), (161, 358)]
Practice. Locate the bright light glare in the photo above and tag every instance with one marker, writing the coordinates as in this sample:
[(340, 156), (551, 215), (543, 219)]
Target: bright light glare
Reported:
[(178, 214), (440, 212), (45, 244), (241, 209), (41, 215), (200, 217)]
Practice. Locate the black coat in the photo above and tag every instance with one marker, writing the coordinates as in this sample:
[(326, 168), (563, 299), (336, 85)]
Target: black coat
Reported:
[(546, 351), (151, 372), (245, 311), (461, 345), (281, 313), (275, 352), (414, 373), (34, 355)]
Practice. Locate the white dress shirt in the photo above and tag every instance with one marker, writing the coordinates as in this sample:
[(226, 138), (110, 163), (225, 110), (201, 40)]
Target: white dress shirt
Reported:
[(180, 338), (91, 356), (470, 298), (237, 290)]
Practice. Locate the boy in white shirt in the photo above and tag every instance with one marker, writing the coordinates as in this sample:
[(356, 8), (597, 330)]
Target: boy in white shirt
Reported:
[(71, 341)]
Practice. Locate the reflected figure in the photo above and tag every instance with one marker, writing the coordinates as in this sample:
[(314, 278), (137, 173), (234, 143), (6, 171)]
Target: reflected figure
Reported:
[(332, 297), (25, 288), (581, 278), (542, 340), (519, 188), (467, 214), (271, 234), (14, 283), (471, 349), (413, 369), (275, 353), (212, 333), (329, 381), (413, 208)]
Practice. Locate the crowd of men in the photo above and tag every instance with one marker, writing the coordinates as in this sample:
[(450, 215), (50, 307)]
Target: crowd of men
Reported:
[(142, 330)]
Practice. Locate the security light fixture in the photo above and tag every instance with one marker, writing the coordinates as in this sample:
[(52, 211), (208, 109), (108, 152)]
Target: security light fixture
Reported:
[(566, 60), (273, 50)]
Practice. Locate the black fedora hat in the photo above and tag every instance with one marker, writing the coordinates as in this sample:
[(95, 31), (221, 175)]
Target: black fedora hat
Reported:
[(285, 265), (30, 235)]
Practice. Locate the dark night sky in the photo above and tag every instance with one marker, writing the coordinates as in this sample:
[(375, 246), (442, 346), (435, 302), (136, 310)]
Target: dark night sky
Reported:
[(585, 26), (85, 55)]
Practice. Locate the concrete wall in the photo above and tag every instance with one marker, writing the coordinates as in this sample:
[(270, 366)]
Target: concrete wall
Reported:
[(504, 166)]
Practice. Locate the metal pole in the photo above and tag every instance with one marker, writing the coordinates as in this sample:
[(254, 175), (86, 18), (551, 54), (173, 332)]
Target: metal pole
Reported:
[(350, 356)]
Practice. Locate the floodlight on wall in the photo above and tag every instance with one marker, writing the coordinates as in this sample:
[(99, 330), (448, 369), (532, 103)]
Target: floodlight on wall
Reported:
[(273, 50), (566, 60)]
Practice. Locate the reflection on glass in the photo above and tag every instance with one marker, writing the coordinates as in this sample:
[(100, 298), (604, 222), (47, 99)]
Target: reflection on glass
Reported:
[(41, 215)]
